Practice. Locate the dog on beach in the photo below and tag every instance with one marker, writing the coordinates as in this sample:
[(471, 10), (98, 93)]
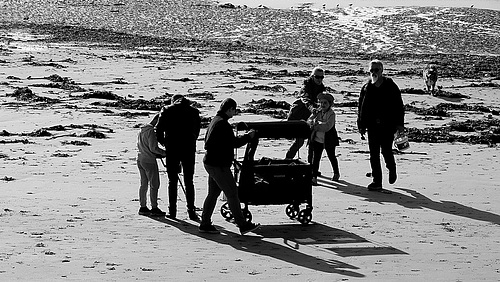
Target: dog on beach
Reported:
[(430, 78)]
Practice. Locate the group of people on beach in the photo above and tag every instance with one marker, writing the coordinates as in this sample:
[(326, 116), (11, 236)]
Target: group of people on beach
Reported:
[(177, 127)]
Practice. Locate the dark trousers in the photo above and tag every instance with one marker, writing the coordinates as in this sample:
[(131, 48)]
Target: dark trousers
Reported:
[(297, 143), (174, 161), (220, 179), (380, 139), (314, 157)]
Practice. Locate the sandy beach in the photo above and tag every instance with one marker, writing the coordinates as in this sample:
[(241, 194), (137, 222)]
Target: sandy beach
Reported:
[(73, 95)]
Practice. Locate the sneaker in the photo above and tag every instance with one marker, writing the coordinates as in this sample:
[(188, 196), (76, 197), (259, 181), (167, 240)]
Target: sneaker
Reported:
[(193, 216), (144, 211), (210, 229), (375, 186), (314, 181), (157, 212), (249, 227), (336, 177), (392, 176)]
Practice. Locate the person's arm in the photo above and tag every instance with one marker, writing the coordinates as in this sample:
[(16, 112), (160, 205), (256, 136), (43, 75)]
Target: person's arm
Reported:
[(361, 126), (399, 109), (160, 127), (243, 139), (324, 126), (153, 146), (197, 125)]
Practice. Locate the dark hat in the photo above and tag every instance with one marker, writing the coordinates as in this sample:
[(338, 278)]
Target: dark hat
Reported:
[(326, 96), (177, 98)]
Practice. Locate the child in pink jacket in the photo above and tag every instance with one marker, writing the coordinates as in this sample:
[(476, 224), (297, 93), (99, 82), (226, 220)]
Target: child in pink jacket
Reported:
[(147, 144)]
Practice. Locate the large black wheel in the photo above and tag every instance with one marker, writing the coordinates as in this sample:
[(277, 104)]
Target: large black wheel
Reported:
[(292, 211), (226, 212), (305, 216)]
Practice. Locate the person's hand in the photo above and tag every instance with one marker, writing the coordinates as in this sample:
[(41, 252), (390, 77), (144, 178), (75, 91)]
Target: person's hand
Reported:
[(251, 133), (400, 129), (312, 109)]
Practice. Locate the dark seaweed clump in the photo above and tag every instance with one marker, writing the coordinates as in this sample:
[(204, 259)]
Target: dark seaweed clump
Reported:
[(268, 107), (487, 132), (59, 82), (25, 94)]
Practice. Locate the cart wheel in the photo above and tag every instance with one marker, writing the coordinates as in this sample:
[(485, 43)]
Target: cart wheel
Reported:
[(305, 216), (247, 215), (225, 212), (292, 211)]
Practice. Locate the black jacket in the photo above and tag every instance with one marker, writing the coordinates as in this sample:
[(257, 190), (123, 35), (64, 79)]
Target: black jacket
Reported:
[(308, 97), (380, 106), (220, 142), (178, 127)]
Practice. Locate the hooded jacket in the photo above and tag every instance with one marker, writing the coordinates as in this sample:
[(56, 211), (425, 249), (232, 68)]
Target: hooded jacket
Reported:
[(147, 145)]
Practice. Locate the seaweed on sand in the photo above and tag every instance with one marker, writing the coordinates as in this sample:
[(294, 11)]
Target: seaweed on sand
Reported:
[(487, 132), (27, 95)]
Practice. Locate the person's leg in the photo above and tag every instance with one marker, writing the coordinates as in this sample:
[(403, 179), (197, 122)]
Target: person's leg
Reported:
[(172, 164), (310, 152), (143, 189), (154, 183), (317, 150), (188, 163), (330, 151), (225, 181), (297, 144), (374, 147), (210, 201), (387, 139)]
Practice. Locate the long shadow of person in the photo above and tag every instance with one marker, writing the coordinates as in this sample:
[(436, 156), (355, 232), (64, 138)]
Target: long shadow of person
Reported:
[(415, 200), (256, 245)]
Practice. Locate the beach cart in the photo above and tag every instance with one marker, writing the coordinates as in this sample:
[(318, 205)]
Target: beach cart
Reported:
[(273, 181)]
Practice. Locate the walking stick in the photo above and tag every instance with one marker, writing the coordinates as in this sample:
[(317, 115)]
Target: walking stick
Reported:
[(179, 179)]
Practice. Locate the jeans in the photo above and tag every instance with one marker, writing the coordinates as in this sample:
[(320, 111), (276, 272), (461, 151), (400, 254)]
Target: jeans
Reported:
[(380, 139), (220, 179), (149, 175)]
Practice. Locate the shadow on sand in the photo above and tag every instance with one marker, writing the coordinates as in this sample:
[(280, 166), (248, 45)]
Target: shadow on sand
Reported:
[(415, 201), (295, 237)]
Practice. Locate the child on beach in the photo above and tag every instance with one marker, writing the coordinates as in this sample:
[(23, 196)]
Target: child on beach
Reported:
[(149, 151), (323, 136)]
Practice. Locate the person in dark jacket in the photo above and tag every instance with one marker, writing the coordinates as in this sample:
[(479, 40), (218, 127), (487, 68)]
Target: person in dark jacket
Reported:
[(381, 113), (302, 108), (178, 129), (219, 145)]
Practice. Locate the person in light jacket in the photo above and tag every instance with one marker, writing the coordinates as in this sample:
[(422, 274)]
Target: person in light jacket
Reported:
[(148, 152), (323, 137)]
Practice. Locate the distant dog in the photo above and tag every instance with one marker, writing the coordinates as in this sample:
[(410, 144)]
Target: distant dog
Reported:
[(430, 78)]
